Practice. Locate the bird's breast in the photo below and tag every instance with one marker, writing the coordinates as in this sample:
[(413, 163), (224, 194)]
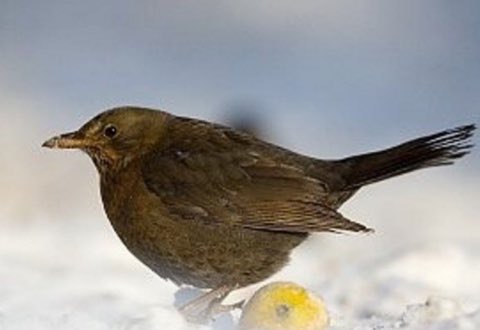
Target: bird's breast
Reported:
[(139, 219)]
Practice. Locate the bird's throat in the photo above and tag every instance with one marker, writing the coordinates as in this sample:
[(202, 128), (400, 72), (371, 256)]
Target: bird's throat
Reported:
[(107, 163)]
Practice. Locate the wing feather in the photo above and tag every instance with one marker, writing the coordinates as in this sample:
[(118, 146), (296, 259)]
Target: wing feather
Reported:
[(239, 185)]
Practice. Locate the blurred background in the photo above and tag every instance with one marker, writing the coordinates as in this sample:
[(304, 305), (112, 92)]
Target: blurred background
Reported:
[(325, 78)]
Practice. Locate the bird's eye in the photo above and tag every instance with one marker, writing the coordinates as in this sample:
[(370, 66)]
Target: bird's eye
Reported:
[(110, 131)]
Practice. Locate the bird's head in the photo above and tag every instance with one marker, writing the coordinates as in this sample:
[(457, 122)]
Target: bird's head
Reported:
[(114, 137)]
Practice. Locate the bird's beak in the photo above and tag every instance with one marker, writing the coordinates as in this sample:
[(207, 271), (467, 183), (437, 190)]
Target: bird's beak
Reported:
[(73, 140)]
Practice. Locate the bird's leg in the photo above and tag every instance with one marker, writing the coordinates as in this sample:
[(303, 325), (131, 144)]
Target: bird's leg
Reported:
[(199, 303), (216, 307), (204, 308)]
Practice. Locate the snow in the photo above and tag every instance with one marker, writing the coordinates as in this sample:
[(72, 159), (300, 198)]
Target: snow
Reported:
[(419, 270), (77, 275)]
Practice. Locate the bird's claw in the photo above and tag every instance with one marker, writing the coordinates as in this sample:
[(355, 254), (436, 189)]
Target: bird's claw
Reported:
[(205, 308)]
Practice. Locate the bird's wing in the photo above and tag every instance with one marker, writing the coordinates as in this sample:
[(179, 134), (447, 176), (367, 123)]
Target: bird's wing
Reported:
[(220, 176)]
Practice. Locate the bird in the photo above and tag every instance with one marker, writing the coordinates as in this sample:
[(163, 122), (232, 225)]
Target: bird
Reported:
[(284, 306), (205, 205)]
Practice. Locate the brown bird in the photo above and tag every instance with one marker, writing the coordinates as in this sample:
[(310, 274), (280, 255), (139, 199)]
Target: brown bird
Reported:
[(205, 205)]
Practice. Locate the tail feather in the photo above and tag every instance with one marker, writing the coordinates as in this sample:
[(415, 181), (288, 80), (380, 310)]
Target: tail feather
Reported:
[(433, 150)]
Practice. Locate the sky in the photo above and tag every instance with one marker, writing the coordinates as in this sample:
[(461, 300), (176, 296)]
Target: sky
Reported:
[(326, 78)]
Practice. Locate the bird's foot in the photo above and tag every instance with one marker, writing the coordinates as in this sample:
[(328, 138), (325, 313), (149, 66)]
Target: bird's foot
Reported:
[(206, 307)]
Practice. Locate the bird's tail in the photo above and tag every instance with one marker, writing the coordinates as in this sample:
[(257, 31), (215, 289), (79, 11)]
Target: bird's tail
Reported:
[(433, 150)]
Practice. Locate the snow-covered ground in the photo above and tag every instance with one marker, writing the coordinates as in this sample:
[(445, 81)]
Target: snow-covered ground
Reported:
[(77, 275)]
